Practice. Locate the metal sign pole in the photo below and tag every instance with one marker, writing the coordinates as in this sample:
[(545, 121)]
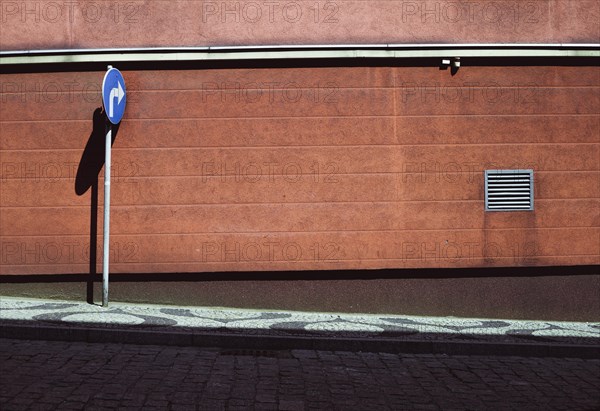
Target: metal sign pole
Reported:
[(106, 237), (114, 99)]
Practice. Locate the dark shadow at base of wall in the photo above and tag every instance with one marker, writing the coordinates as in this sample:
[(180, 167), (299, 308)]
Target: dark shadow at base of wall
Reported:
[(306, 63), (423, 273), (541, 293)]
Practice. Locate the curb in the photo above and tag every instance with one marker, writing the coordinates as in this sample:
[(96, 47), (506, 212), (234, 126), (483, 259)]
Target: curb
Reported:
[(271, 342)]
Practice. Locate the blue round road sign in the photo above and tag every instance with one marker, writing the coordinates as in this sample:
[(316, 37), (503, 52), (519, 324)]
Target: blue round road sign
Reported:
[(113, 95)]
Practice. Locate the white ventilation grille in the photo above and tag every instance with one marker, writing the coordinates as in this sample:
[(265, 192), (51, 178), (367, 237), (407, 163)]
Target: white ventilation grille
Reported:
[(508, 190)]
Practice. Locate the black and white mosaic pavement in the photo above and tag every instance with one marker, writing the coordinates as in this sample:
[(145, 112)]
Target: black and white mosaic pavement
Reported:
[(286, 323)]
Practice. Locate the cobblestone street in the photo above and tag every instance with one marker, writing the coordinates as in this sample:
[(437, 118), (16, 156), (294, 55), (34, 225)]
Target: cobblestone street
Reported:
[(44, 375)]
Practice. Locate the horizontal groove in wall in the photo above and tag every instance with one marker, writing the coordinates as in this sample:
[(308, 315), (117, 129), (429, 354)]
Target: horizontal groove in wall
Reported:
[(286, 52)]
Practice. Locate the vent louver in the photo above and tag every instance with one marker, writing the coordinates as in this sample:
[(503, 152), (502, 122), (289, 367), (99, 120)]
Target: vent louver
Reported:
[(508, 190)]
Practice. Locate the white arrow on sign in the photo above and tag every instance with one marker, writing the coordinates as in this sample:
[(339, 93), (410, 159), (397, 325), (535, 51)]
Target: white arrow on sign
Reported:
[(115, 93)]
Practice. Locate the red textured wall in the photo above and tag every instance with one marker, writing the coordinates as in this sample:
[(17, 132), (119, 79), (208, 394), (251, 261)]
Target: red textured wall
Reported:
[(301, 168), (125, 23)]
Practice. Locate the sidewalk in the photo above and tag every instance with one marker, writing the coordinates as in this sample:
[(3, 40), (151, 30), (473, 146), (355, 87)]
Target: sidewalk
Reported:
[(252, 329)]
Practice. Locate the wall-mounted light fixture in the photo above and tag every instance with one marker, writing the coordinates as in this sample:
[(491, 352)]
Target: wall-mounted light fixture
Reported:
[(453, 63)]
